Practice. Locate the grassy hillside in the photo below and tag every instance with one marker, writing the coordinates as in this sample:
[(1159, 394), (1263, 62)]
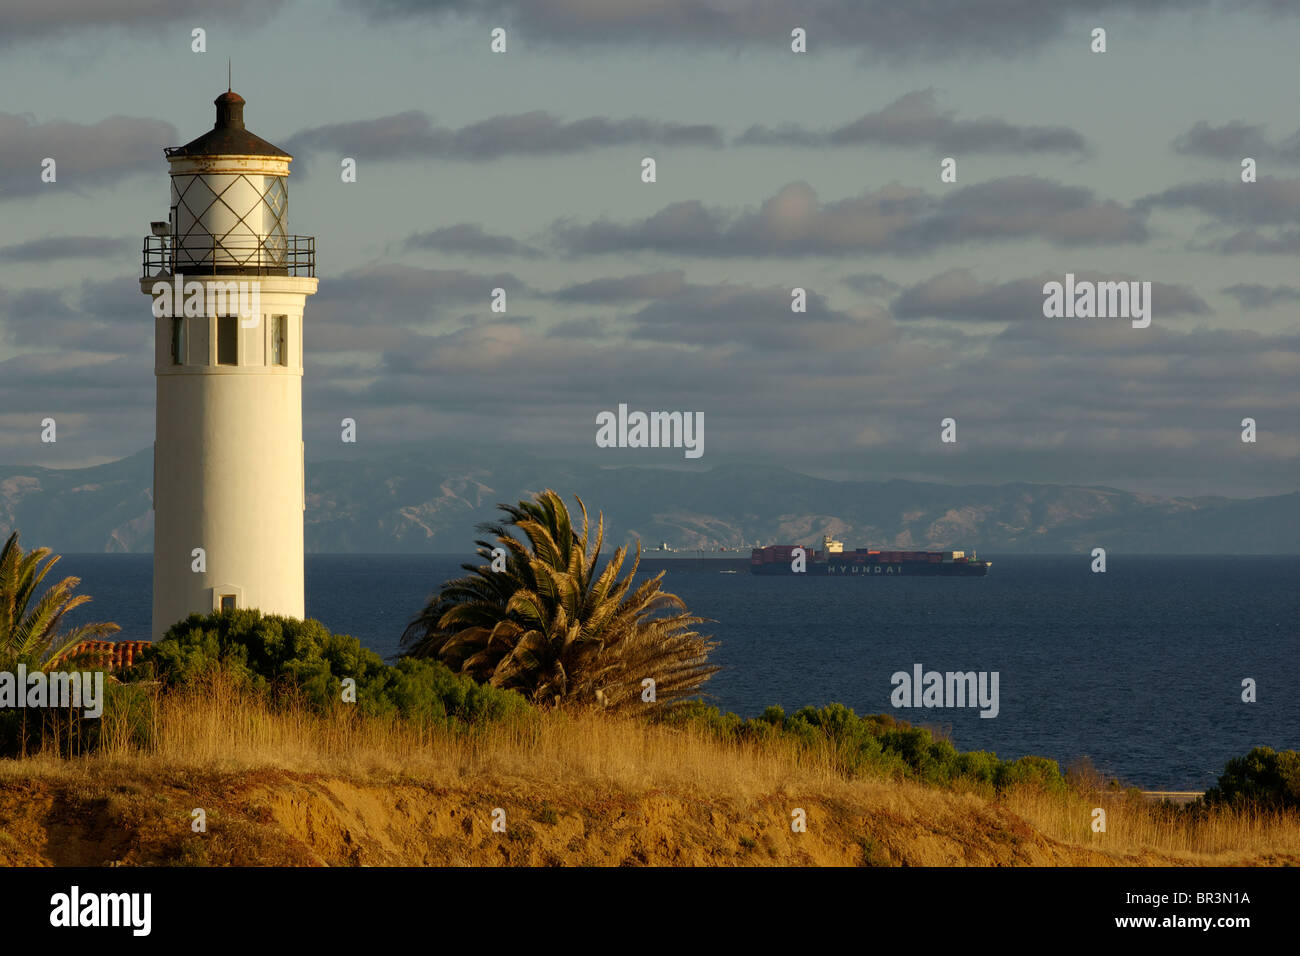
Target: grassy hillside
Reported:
[(283, 784)]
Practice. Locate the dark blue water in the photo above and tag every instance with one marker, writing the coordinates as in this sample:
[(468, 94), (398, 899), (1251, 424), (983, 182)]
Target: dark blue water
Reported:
[(1139, 668)]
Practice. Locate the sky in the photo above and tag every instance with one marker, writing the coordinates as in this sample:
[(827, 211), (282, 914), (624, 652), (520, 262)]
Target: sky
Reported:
[(775, 170)]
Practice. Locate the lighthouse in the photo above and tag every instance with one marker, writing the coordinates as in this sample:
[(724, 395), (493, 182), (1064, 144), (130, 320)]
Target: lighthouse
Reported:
[(228, 284)]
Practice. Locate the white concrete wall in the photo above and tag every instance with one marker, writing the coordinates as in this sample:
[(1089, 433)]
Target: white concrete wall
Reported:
[(229, 466)]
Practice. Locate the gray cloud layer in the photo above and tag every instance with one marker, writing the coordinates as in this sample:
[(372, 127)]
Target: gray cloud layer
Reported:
[(886, 29), (882, 28), (413, 133), (893, 219), (94, 316), (416, 356), (957, 295), (66, 247), (467, 238), (1253, 241), (1092, 401), (84, 154), (649, 285), (914, 119), (1270, 203), (1235, 141), (1252, 296), (28, 19)]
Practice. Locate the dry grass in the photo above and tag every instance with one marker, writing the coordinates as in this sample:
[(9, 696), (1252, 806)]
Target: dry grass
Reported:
[(573, 756), (1209, 836), (221, 728)]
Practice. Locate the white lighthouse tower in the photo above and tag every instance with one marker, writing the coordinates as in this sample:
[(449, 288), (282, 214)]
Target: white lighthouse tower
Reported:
[(228, 484)]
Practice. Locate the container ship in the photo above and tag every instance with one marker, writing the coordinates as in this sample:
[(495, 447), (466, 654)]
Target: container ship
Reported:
[(720, 553), (835, 561), (721, 559)]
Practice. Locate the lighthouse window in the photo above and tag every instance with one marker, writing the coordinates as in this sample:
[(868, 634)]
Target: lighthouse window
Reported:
[(227, 340), (279, 340), (178, 340), (227, 602)]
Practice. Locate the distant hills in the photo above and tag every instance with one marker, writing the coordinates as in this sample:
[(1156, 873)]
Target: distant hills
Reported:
[(414, 503)]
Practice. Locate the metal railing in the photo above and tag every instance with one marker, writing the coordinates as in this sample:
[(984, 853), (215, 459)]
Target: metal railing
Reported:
[(208, 255)]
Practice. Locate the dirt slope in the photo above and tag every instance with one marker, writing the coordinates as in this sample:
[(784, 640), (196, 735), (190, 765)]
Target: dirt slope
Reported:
[(274, 817)]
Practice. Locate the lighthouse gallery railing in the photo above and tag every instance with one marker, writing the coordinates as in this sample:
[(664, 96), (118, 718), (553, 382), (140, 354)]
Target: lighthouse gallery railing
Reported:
[(272, 256)]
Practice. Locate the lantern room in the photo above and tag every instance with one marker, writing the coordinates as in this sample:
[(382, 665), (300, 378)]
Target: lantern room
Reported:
[(229, 210)]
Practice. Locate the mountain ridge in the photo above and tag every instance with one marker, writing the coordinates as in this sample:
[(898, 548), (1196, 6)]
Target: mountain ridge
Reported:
[(411, 503)]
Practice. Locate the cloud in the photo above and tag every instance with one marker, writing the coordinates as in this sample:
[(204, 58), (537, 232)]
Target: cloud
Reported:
[(871, 283), (1235, 141), (854, 394), (583, 329), (879, 29), (84, 154), (390, 306), (1269, 201), (523, 134), (956, 295), (893, 219), (1262, 296), (386, 137), (409, 285), (67, 247), (107, 317), (26, 19), (755, 318), (837, 389), (1253, 241), (466, 238), (648, 285), (914, 120)]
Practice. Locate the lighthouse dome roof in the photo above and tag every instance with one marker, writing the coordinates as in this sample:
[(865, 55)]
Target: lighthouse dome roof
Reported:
[(228, 137)]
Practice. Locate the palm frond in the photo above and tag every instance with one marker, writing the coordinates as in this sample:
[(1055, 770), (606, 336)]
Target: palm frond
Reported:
[(37, 630), (554, 623)]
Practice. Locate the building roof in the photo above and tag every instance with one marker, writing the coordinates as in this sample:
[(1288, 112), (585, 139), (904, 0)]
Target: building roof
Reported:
[(228, 137)]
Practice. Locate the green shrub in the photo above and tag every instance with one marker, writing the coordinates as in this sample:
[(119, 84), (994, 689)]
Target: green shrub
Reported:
[(422, 689), (877, 743), (267, 653), (979, 766), (1264, 776), (67, 731), (1030, 771)]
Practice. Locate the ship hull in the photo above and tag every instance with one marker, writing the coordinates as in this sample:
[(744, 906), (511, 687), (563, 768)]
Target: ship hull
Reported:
[(975, 569)]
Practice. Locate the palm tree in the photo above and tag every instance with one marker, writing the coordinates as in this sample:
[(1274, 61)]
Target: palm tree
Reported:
[(35, 632), (551, 627)]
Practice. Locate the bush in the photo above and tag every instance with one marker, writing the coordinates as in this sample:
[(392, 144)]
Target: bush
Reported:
[(877, 743), (426, 690), (268, 653), (67, 731), (1036, 772), (980, 766), (1264, 777)]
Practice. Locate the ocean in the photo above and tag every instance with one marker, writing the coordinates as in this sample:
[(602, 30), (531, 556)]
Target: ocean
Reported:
[(1139, 668)]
